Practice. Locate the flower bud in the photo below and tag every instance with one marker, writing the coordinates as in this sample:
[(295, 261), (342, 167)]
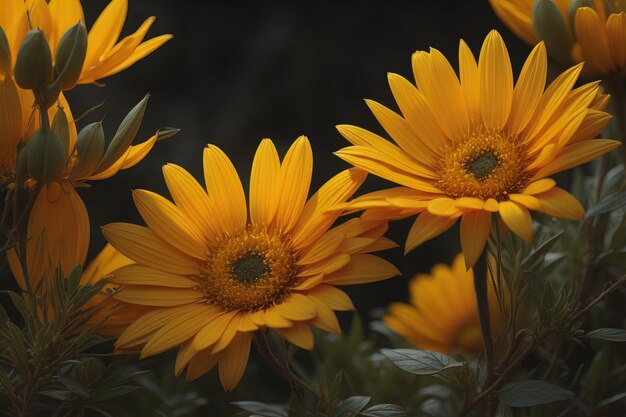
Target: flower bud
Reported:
[(70, 56), (125, 135), (46, 156), (33, 66), (90, 147), (61, 126), (552, 29), (5, 54)]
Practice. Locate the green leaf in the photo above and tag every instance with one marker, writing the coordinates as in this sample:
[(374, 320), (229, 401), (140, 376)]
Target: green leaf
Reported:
[(539, 253), (20, 304), (612, 202), (74, 386), (266, 410), (607, 334), (384, 410), (531, 393), (352, 406), (113, 392), (420, 362), (166, 133)]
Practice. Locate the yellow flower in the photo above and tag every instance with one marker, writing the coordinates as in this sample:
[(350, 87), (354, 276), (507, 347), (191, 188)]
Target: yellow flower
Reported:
[(105, 55), (470, 148), (215, 272), (595, 35), (442, 314)]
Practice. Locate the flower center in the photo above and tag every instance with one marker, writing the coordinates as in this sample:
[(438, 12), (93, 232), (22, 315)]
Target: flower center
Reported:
[(250, 272), (485, 165)]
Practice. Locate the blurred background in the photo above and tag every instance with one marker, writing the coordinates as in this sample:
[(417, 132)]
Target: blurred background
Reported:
[(237, 73)]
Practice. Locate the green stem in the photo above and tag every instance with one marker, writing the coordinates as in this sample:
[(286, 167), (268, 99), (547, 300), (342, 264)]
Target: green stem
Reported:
[(482, 300)]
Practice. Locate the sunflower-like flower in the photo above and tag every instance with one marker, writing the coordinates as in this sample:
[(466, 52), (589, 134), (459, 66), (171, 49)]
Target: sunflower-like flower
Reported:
[(105, 55), (215, 272), (470, 148), (443, 314), (593, 31)]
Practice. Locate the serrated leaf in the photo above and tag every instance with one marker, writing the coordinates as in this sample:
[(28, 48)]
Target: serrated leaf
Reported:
[(531, 393), (610, 203), (607, 334), (420, 362), (266, 410), (351, 406), (384, 410)]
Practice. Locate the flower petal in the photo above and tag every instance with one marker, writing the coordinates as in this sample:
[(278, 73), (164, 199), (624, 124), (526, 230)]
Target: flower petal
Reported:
[(475, 228), (517, 219), (264, 179)]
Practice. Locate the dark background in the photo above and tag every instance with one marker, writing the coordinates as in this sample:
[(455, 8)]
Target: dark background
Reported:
[(237, 73)]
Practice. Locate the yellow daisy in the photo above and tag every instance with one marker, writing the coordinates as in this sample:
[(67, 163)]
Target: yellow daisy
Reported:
[(105, 55), (465, 149), (442, 314), (215, 272), (595, 35)]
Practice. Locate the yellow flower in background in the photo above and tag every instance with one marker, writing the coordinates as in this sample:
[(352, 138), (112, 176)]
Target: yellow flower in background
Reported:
[(215, 272), (443, 315), (590, 31), (105, 55), (466, 149)]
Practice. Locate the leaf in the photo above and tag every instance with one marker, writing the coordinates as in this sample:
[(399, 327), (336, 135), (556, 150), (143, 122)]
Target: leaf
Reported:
[(538, 254), (266, 410), (531, 393), (20, 304), (114, 392), (351, 406), (612, 202), (420, 362), (384, 410), (607, 334), (74, 386)]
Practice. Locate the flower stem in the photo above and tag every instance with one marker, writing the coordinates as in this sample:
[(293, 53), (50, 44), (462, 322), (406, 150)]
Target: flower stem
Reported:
[(280, 368)]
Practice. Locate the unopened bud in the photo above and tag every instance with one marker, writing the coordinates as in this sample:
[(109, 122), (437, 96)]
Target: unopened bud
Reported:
[(5, 54), (90, 147), (33, 66), (575, 5), (70, 56), (61, 125), (552, 29), (46, 156), (125, 135)]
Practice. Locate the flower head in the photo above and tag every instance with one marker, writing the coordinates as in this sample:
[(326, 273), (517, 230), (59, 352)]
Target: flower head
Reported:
[(215, 272), (442, 314), (105, 55), (574, 30), (465, 149)]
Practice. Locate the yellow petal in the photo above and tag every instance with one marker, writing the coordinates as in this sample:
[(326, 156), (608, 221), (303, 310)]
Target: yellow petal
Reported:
[(233, 361), (201, 363), (105, 32), (295, 179), (193, 201), (470, 81), (469, 203), (595, 121), (325, 266), (518, 17), (591, 35), (145, 326), (275, 320), (141, 51), (616, 33), (363, 268), (426, 227), (577, 154), (491, 205), (528, 89), (142, 245), (540, 186), (443, 206), (224, 187), (517, 219), (65, 14), (168, 222), (324, 247), (157, 296), (559, 203), (529, 201), (296, 307), (230, 331), (143, 275), (107, 261), (326, 318), (475, 228), (333, 297), (315, 219), (300, 335), (212, 331), (264, 179), (496, 82), (14, 22), (10, 122)]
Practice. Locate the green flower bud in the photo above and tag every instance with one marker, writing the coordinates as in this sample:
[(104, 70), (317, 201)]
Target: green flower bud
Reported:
[(552, 29), (70, 56), (46, 156), (125, 135), (90, 147), (33, 66), (49, 95), (61, 125), (5, 54), (575, 5)]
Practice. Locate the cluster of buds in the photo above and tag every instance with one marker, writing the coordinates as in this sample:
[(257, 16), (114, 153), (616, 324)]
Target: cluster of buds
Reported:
[(45, 154)]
